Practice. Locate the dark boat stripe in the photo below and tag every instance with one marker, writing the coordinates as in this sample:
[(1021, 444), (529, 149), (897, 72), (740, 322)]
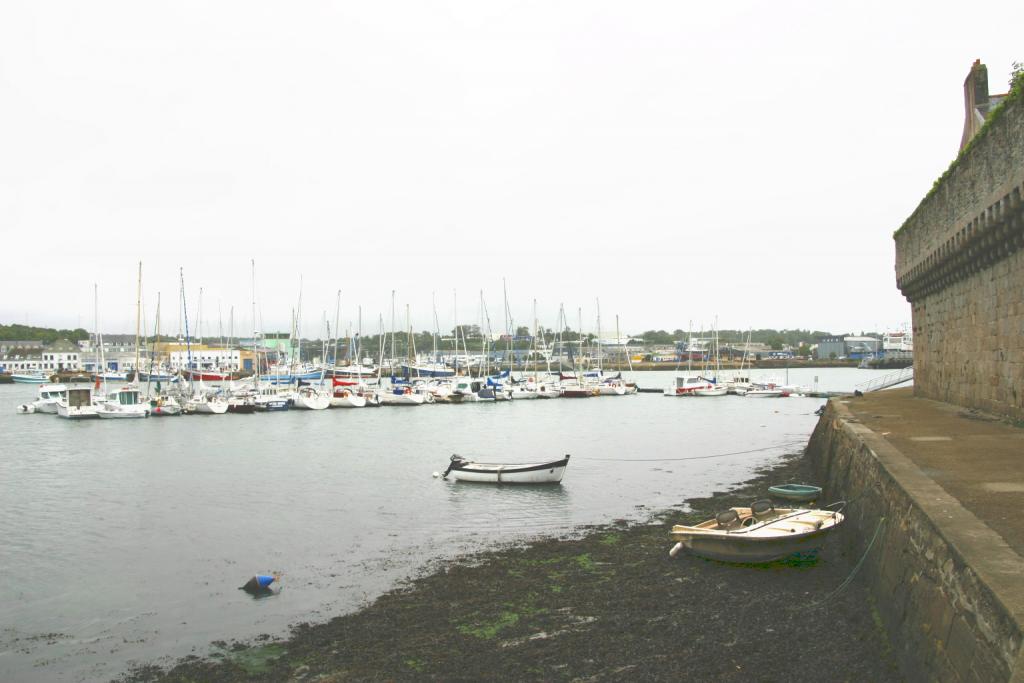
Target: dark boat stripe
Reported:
[(456, 467)]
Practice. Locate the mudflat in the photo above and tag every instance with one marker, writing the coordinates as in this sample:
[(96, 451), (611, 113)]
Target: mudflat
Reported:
[(607, 605)]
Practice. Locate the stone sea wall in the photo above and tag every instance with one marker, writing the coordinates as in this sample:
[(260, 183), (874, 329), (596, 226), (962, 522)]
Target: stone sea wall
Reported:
[(945, 585), (960, 262)]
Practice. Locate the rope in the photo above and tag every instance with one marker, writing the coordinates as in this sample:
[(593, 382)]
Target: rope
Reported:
[(693, 457), (846, 582)]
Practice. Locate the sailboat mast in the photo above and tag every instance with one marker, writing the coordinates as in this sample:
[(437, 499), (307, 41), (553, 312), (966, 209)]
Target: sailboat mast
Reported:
[(598, 336), (138, 321), (392, 359), (337, 322)]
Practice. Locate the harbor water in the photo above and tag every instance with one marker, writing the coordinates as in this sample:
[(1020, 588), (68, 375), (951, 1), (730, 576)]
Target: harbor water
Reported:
[(125, 542)]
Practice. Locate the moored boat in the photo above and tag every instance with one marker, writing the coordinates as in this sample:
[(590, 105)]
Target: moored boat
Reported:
[(758, 534), (78, 404), (38, 377), (46, 402), (125, 403), (800, 493), (688, 383), (550, 472)]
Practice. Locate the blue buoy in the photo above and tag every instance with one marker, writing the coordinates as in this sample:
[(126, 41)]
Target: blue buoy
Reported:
[(259, 584)]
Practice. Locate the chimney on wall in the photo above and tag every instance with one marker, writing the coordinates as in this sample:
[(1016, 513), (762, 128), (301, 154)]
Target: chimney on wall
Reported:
[(975, 95)]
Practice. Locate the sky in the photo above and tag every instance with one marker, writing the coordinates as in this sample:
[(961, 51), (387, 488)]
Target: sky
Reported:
[(679, 163)]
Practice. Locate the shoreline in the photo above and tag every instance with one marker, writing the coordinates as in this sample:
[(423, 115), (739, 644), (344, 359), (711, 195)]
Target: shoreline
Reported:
[(604, 602)]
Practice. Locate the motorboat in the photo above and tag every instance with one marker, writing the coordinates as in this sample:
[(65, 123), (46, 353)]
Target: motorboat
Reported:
[(688, 383), (758, 534), (125, 403), (37, 377), (46, 402), (550, 472), (717, 390), (78, 403), (764, 391), (468, 390)]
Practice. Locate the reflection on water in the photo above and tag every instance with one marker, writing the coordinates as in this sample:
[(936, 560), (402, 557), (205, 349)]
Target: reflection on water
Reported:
[(127, 540)]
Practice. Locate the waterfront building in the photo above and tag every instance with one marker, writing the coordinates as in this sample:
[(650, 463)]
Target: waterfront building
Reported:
[(60, 356)]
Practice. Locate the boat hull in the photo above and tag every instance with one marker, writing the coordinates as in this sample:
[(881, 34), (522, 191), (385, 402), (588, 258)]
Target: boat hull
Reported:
[(348, 399), (494, 473), (799, 493), (786, 533)]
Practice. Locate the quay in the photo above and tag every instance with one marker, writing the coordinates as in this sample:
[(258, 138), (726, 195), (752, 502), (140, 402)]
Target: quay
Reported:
[(934, 475), (942, 486)]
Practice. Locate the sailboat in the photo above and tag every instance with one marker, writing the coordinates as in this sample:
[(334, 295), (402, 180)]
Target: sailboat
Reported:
[(127, 402)]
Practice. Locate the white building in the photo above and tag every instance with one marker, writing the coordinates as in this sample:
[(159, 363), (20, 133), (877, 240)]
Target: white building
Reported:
[(207, 359)]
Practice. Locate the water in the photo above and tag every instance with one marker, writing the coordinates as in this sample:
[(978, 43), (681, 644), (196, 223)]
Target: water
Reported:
[(125, 541)]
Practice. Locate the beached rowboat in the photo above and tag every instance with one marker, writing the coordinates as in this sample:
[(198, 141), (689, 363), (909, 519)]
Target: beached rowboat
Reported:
[(760, 533), (800, 493), (507, 473)]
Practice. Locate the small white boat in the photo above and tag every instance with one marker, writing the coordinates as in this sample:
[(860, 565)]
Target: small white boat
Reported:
[(125, 403), (207, 404), (49, 396), (688, 383), (38, 377), (78, 404), (346, 398), (764, 391), (468, 390), (719, 390), (760, 533), (164, 406), (311, 398), (403, 396), (507, 473)]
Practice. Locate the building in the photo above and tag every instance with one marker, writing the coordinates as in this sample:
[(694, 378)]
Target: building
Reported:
[(830, 347), (60, 356), (960, 262)]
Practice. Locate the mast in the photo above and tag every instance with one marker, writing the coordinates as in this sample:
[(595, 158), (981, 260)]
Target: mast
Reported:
[(598, 337), (188, 340), (337, 316), (392, 359), (255, 351), (152, 348), (138, 322)]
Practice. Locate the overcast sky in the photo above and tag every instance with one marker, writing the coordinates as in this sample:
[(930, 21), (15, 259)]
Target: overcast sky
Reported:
[(679, 161)]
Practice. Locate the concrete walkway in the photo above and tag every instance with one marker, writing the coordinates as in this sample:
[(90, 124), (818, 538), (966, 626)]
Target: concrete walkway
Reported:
[(976, 459)]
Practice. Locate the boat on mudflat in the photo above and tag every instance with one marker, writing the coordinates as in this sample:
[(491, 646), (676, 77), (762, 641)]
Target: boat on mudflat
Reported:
[(550, 472), (758, 534), (800, 493)]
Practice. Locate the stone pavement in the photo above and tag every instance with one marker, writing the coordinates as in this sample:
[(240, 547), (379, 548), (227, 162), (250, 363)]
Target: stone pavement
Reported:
[(976, 459)]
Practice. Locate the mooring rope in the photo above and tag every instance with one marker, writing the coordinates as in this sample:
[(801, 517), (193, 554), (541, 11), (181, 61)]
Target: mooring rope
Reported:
[(693, 457), (856, 568)]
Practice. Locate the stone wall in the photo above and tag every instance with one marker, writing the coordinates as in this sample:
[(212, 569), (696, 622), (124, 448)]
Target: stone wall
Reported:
[(947, 619), (959, 262)]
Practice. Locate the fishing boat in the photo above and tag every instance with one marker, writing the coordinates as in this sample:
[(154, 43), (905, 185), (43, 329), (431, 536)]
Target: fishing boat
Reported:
[(800, 493), (125, 403), (760, 533), (78, 404), (46, 402), (688, 383), (36, 377), (550, 472)]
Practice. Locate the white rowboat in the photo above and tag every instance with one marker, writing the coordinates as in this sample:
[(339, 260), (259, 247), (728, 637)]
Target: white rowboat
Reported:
[(507, 473)]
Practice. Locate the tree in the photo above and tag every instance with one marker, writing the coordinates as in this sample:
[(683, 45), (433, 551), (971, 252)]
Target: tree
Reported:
[(522, 331)]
